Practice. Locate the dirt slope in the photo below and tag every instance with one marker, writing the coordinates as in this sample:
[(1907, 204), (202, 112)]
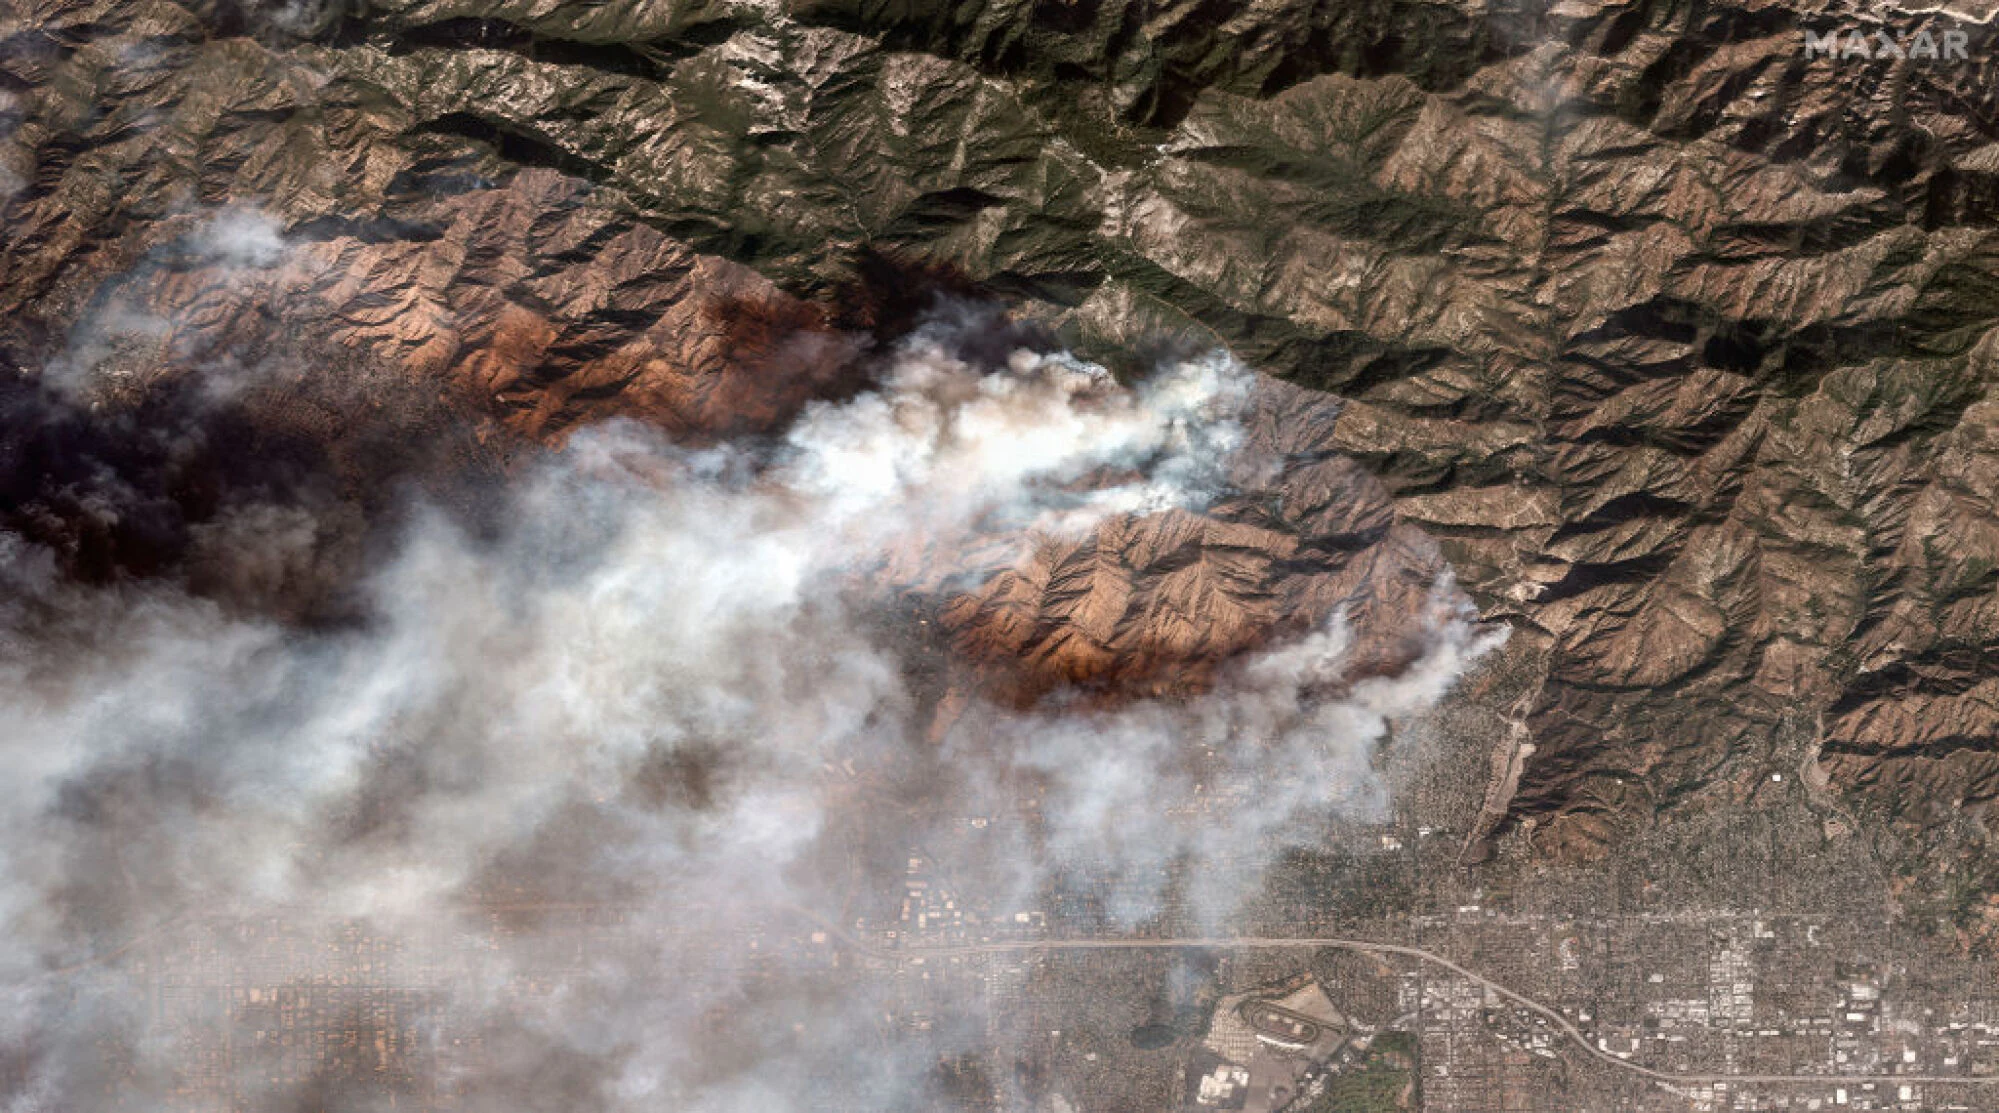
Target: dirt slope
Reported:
[(1678, 340)]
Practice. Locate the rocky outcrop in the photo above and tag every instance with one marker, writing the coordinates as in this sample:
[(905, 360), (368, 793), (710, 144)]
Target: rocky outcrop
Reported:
[(1677, 338)]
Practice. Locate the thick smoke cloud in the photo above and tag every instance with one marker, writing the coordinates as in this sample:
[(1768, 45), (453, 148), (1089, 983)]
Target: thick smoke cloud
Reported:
[(1216, 782), (674, 682), (265, 480)]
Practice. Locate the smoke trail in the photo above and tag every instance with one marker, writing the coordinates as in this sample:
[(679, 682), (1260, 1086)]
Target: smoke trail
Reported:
[(676, 683), (1217, 782)]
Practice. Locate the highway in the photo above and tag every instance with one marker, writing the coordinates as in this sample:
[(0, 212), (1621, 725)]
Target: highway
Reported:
[(1219, 942), (1562, 1023)]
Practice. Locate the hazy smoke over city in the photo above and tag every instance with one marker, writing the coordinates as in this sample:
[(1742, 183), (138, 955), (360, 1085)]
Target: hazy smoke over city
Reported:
[(695, 686)]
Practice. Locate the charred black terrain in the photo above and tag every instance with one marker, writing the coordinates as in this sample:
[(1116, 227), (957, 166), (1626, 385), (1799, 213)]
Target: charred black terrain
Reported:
[(1678, 339)]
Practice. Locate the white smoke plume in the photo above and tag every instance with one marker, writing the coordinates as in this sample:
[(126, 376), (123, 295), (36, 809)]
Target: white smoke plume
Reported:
[(227, 242), (663, 686), (1221, 780), (240, 237)]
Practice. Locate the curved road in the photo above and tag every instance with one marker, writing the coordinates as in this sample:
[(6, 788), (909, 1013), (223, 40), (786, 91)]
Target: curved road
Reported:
[(1261, 942), (1575, 1035)]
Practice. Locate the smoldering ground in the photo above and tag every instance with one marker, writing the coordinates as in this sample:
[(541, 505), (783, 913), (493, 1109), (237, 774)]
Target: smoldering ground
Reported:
[(265, 472), (577, 781)]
